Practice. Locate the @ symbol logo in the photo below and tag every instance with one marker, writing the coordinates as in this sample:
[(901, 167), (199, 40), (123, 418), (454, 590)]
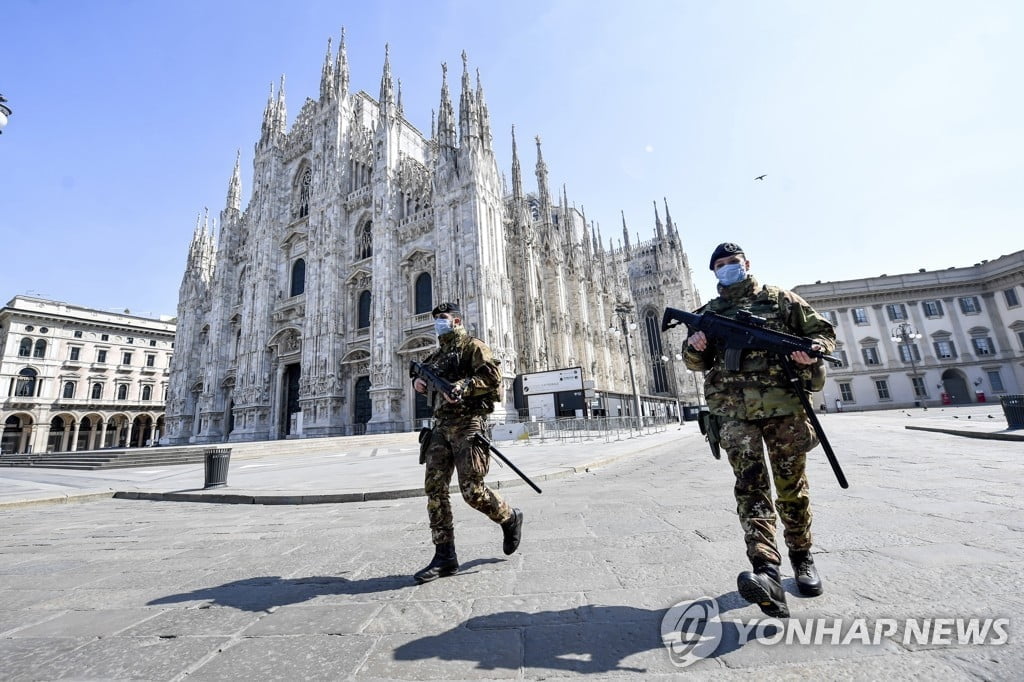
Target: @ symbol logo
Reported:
[(691, 630)]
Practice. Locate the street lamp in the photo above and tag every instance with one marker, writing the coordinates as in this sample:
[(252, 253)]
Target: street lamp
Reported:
[(5, 112), (623, 309), (905, 333), (675, 381)]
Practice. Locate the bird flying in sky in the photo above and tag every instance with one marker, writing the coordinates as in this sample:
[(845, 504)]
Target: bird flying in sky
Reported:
[(761, 177)]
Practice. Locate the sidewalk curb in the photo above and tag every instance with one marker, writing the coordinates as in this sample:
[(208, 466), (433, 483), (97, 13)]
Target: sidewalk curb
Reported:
[(64, 498), (970, 434)]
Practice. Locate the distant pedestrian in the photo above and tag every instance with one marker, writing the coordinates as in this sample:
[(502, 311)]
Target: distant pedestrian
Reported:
[(467, 363), (823, 409), (757, 406), (839, 405)]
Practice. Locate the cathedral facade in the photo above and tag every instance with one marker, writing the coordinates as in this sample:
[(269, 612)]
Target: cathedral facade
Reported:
[(298, 316)]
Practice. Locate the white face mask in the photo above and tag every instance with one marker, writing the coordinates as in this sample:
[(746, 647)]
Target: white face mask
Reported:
[(442, 326), (731, 274)]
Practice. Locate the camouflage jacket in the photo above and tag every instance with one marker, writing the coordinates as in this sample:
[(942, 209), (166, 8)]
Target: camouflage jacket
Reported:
[(760, 388), (466, 361)]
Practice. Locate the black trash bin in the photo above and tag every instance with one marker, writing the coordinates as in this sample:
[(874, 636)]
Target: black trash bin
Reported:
[(1013, 408), (217, 460), (691, 412)]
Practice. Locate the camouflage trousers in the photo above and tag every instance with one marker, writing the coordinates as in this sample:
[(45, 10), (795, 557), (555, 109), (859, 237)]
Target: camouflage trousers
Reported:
[(788, 438), (453, 448)]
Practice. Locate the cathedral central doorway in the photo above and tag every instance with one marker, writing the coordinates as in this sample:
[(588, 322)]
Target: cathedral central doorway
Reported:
[(363, 407), (292, 373)]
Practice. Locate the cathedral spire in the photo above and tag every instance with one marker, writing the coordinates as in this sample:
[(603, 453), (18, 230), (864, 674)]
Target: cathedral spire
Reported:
[(485, 117), (398, 98), (268, 112), (468, 118), (517, 173), (281, 121), (672, 231), (446, 114), (387, 95), (327, 76), (341, 68), (235, 185), (625, 231), (542, 185), (657, 223)]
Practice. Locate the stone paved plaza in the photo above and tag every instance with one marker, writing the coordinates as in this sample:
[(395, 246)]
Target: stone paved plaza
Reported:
[(930, 528)]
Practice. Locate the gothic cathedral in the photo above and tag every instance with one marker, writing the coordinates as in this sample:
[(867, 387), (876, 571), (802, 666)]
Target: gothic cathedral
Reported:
[(299, 317)]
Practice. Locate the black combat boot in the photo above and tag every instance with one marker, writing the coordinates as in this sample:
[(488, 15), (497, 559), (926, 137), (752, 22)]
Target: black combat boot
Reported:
[(807, 581), (763, 586), (513, 531), (444, 563)]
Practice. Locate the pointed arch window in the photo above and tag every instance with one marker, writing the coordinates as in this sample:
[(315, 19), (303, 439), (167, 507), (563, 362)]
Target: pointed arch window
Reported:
[(298, 285), (305, 180), (69, 389), (26, 385), (97, 391), (40, 349), (122, 392), (424, 296), (25, 348), (364, 310), (364, 241)]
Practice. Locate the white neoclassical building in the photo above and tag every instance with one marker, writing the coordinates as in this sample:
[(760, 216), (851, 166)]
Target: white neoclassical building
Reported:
[(298, 316), (926, 338), (75, 378)]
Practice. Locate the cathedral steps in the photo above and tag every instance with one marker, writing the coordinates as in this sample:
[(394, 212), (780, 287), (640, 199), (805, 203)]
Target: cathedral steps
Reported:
[(194, 454)]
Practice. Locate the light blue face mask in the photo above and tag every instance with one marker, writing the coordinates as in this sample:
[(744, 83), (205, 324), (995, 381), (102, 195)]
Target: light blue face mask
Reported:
[(731, 274), (442, 326)]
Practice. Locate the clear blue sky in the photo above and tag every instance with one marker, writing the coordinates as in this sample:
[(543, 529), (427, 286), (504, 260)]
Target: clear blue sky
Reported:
[(891, 133)]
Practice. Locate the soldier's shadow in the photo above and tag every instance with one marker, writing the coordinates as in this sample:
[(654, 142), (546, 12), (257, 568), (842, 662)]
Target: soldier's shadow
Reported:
[(260, 593), (588, 639)]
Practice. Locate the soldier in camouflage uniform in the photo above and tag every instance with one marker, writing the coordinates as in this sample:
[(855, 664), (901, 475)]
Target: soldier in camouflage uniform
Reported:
[(757, 404), (467, 363)]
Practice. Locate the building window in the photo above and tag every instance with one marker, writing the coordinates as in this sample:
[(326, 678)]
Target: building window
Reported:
[(130, 339), (25, 348), (908, 351), (147, 393), (882, 387), (945, 349), (970, 305), (104, 337), (126, 359), (152, 342), (97, 391), (983, 346), (860, 315), (919, 390), (122, 392), (870, 355), (75, 352), (69, 389), (364, 310), (995, 380), (26, 386), (830, 315), (101, 356), (932, 308), (298, 285), (40, 349), (1020, 337), (78, 333), (841, 356), (846, 391), (1012, 300), (424, 294), (150, 360), (364, 241), (896, 311)]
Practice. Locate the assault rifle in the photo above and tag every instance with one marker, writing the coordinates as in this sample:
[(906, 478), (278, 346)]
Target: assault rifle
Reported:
[(747, 332), (437, 383), (434, 381)]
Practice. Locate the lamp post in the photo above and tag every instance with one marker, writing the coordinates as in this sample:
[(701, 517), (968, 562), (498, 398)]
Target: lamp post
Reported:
[(904, 333), (675, 381), (623, 309), (5, 112)]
